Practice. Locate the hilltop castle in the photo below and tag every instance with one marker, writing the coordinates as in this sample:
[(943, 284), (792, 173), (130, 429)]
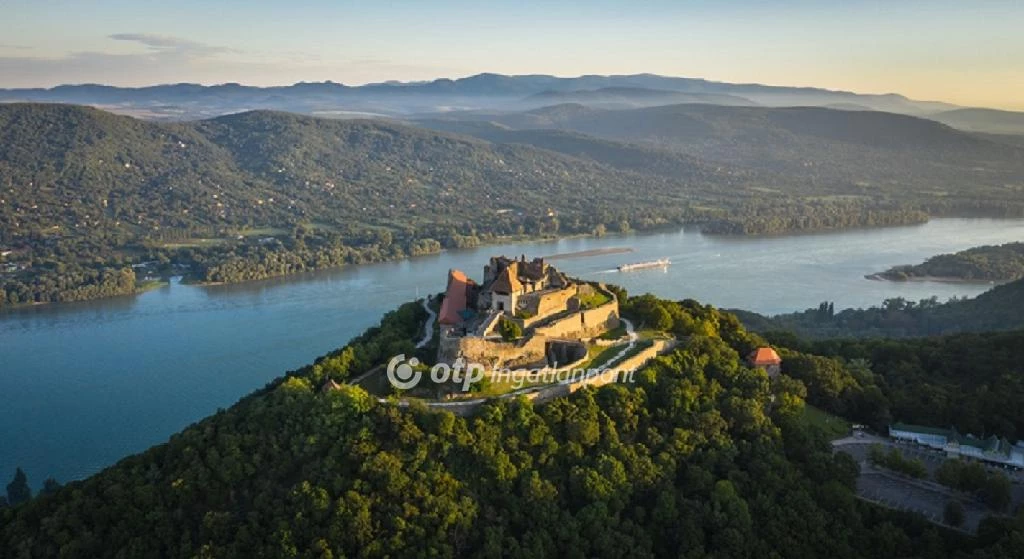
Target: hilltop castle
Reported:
[(553, 312)]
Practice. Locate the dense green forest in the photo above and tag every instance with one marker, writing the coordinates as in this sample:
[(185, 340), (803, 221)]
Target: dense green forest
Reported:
[(88, 199), (262, 194), (990, 263), (974, 382), (1000, 308), (700, 457)]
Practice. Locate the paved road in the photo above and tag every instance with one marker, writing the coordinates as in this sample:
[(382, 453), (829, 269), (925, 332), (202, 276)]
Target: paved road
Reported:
[(467, 406), (860, 438), (428, 333)]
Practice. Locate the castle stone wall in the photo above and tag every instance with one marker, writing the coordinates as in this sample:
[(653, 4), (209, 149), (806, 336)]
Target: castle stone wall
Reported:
[(583, 323), (493, 352), (546, 304)]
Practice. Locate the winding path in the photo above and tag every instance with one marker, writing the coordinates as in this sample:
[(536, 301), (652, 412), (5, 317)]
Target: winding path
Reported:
[(465, 406), (632, 343), (428, 333)]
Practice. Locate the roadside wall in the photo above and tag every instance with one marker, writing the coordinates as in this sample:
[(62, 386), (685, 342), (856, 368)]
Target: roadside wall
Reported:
[(629, 364), (612, 375)]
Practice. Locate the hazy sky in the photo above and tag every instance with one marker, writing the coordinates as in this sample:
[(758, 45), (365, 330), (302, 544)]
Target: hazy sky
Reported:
[(965, 51)]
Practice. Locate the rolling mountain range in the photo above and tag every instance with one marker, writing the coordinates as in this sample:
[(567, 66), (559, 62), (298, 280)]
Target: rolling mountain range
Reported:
[(147, 175), (479, 92), (70, 166), (114, 190), (818, 151), (85, 193)]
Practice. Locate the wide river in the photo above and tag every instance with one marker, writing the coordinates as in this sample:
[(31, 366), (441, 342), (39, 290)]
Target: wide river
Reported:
[(85, 384)]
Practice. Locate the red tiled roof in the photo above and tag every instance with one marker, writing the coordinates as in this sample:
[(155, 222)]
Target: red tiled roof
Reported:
[(454, 298), (764, 356)]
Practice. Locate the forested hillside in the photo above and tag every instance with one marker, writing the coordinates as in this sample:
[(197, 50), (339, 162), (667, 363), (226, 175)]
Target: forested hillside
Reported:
[(92, 203), (985, 263), (823, 152), (1001, 308), (973, 382), (693, 460), (86, 193)]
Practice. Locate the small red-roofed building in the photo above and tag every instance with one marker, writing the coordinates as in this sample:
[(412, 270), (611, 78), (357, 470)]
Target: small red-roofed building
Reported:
[(767, 359)]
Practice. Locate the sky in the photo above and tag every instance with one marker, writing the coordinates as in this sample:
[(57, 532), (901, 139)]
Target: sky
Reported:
[(969, 52)]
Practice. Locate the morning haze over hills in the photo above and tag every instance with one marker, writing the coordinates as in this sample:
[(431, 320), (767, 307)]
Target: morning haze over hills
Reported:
[(496, 92), (615, 315)]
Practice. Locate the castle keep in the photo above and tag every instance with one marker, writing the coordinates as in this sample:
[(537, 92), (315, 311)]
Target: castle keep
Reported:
[(553, 313)]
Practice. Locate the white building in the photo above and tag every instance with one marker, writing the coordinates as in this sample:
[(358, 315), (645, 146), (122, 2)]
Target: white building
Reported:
[(992, 449)]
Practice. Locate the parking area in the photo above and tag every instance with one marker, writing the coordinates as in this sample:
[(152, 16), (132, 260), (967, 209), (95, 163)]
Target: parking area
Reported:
[(900, 495), (923, 496)]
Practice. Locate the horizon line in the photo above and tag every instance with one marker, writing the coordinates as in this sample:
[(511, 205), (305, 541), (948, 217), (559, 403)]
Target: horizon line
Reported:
[(401, 83)]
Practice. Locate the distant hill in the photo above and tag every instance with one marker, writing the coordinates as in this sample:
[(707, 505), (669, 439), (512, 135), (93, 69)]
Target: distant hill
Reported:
[(85, 190), (983, 120), (1011, 139), (1000, 308), (257, 194), (821, 151), (621, 155), (482, 91), (847, 107), (685, 124), (53, 155), (630, 97)]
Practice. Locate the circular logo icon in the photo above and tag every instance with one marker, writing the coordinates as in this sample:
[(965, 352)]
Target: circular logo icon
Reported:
[(401, 374)]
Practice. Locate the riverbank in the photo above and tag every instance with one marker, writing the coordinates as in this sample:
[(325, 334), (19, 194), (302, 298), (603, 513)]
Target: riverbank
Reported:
[(191, 276), (149, 285), (78, 377), (140, 288), (986, 264), (882, 276)]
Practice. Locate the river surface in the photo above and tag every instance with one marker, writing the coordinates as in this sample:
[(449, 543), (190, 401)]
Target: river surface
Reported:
[(83, 385)]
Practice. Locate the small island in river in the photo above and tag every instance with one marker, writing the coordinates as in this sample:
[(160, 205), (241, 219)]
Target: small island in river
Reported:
[(985, 263)]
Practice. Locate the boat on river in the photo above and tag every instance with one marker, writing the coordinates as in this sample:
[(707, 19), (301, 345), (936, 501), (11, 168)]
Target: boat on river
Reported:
[(662, 263)]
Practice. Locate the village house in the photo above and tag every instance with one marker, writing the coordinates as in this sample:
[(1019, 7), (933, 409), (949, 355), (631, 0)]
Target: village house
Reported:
[(766, 359)]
